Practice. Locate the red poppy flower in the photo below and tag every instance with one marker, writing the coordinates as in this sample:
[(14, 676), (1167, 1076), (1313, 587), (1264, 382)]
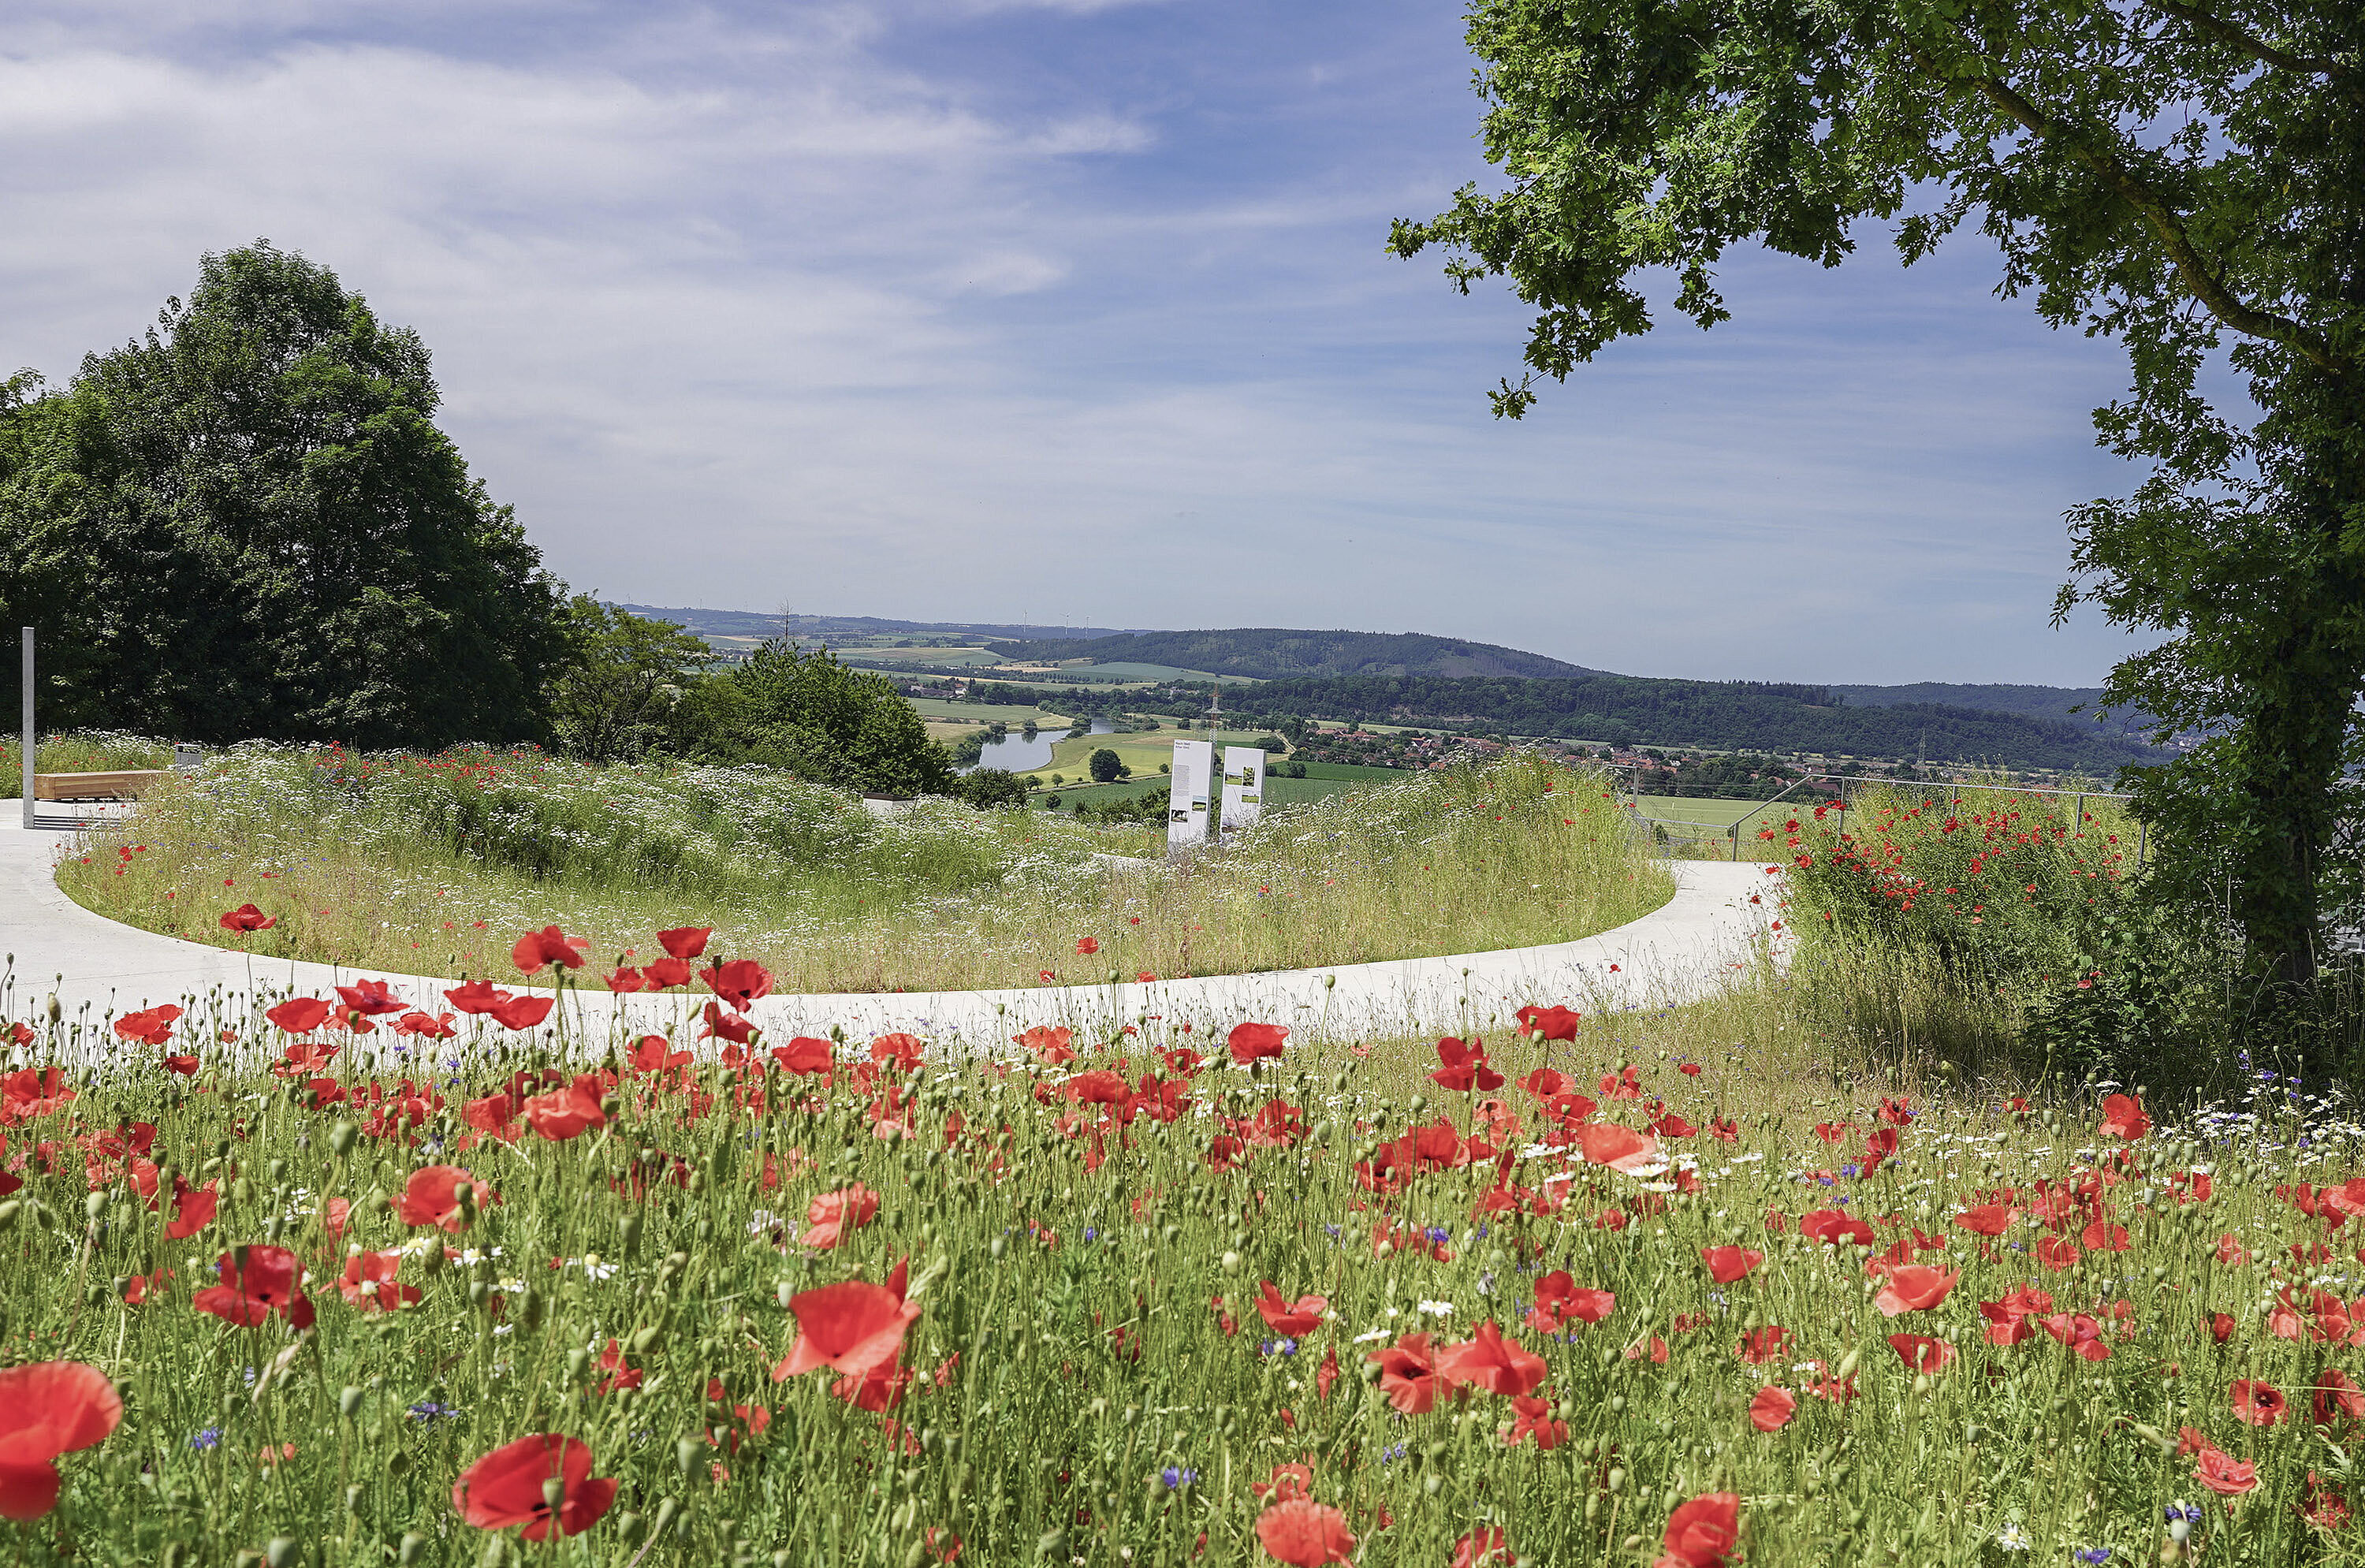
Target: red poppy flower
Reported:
[(730, 1026), (475, 997), (246, 917), (832, 1214), (431, 1196), (522, 1012), (149, 1027), (1533, 1417), (850, 1328), (548, 946), (426, 1025), (299, 1015), (186, 1065), (2123, 1117), (1305, 1534), (655, 1053), (901, 1049), (2260, 1403), (1560, 1299), (1914, 1288), (2057, 1253), (1921, 1353), (667, 972), (1619, 1148), (1548, 1023), (1772, 1409), (1726, 1264), (1249, 1042), (1486, 1544), (1292, 1318), (805, 1054), (29, 1093), (1703, 1532), (685, 941), (371, 998), (1834, 1228), (510, 1486), (2079, 1332), (1464, 1067), (2336, 1398), (48, 1408), (1408, 1374), (1767, 1344), (193, 1209), (618, 1374), (739, 982), (1989, 1219), (1492, 1363), (370, 1285), (2225, 1474), (1049, 1045), (256, 1282), (566, 1113), (1087, 945), (627, 981)]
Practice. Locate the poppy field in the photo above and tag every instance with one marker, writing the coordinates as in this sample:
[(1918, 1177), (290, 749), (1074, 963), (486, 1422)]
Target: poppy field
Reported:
[(342, 1281), (404, 864)]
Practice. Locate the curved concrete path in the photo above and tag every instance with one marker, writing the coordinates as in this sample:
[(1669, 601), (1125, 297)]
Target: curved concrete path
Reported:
[(1689, 947)]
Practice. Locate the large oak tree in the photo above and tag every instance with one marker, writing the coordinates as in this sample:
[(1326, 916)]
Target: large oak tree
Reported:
[(2185, 176)]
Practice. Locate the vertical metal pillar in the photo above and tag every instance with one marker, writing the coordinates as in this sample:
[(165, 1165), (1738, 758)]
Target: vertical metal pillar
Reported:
[(29, 726)]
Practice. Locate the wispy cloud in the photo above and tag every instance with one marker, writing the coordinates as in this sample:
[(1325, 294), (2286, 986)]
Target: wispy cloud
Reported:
[(1057, 311)]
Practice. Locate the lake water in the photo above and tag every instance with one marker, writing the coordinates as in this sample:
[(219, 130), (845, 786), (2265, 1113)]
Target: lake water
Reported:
[(1017, 754)]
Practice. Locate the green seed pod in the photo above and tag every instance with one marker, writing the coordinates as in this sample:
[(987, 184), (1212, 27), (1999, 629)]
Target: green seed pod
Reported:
[(342, 1138), (282, 1552), (685, 1455), (414, 1547), (349, 1401)]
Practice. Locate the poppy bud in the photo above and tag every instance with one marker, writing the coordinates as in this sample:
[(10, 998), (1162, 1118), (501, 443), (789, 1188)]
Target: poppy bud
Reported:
[(1231, 1263), (413, 1547), (353, 1495), (667, 1509), (397, 1464), (348, 1401), (281, 1552), (93, 1207), (342, 1137), (629, 1232), (641, 1342), (242, 1192)]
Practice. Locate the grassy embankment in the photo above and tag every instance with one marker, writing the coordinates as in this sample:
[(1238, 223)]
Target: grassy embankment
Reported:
[(416, 865)]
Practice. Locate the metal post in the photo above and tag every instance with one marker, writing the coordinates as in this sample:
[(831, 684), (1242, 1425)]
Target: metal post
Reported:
[(29, 726), (2078, 823)]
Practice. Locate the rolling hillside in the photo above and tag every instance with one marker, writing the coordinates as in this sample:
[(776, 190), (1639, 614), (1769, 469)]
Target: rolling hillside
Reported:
[(1277, 654)]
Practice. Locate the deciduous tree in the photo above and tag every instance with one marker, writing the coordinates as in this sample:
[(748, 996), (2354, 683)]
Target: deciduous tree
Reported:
[(2186, 176)]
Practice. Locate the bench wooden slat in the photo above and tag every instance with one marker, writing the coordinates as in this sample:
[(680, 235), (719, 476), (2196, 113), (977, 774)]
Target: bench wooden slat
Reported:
[(124, 785)]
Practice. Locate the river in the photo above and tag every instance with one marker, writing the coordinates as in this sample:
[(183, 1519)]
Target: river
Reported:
[(1018, 753)]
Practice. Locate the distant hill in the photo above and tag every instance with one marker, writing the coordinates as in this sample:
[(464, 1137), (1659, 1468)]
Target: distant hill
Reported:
[(770, 623), (2068, 704), (1265, 653)]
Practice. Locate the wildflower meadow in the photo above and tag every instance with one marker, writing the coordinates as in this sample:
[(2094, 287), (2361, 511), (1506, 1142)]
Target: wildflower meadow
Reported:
[(340, 1280)]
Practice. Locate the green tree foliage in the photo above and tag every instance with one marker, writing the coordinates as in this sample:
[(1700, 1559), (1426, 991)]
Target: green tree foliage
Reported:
[(621, 677), (1104, 766), (990, 789), (2185, 176), (247, 524), (805, 711)]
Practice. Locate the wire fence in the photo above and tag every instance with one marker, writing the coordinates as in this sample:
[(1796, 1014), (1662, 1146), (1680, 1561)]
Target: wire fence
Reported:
[(1688, 837)]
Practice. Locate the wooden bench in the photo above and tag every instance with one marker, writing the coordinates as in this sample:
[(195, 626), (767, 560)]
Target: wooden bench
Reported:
[(125, 785)]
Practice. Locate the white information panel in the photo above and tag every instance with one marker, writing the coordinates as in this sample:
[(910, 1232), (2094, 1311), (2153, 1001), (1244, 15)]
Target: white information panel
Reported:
[(1186, 796), (1243, 786)]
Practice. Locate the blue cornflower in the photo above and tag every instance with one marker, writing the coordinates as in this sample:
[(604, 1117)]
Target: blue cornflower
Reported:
[(1438, 1234), (1091, 1234), (2181, 1518), (206, 1439), (2092, 1554), (1394, 1451), (1283, 1347), (1176, 1477), (427, 1410)]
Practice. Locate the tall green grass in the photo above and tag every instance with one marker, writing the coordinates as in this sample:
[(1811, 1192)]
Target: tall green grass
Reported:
[(411, 864)]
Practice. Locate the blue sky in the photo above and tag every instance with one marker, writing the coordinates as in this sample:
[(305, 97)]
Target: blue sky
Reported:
[(1063, 312)]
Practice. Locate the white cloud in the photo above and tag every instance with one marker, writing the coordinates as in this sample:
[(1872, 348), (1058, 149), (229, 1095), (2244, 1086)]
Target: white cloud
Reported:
[(746, 308)]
